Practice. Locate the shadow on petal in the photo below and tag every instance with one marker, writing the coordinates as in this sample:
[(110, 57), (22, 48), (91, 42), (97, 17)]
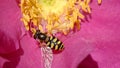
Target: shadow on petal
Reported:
[(7, 43), (13, 58), (88, 62)]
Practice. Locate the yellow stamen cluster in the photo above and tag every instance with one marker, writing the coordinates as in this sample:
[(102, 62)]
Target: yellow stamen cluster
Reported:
[(55, 15)]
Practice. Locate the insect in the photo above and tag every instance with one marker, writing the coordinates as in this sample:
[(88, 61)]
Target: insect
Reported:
[(51, 41)]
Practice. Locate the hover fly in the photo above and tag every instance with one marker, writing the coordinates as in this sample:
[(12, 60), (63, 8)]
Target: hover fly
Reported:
[(51, 41)]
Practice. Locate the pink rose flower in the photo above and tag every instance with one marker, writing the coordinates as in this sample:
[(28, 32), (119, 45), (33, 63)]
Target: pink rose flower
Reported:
[(97, 40)]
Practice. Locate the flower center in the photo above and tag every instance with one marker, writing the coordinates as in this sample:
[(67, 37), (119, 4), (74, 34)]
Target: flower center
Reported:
[(54, 16), (49, 7)]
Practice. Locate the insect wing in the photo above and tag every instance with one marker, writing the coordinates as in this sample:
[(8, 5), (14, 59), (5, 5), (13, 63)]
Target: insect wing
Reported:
[(47, 56)]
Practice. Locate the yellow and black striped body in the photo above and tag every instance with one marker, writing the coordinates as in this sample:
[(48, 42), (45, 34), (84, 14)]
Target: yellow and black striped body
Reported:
[(54, 43), (50, 41)]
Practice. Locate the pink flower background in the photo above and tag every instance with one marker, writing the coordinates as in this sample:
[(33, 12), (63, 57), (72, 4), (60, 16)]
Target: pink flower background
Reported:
[(96, 45)]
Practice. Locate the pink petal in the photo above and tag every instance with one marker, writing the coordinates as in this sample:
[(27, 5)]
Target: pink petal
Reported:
[(105, 28), (73, 54), (10, 26)]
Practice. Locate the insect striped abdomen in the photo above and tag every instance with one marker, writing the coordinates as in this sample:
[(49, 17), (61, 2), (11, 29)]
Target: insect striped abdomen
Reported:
[(54, 43)]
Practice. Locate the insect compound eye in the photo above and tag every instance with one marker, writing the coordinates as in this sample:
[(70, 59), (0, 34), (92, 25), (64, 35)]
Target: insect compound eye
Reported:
[(36, 35), (37, 32)]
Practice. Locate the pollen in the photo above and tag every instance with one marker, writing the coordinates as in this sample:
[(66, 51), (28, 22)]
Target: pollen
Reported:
[(54, 16), (99, 2)]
